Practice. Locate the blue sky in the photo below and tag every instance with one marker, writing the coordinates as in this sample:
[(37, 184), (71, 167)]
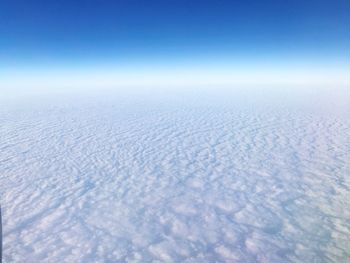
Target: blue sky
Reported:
[(76, 36)]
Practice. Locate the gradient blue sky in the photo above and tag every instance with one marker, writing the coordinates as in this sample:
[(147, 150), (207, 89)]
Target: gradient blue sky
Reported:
[(66, 37)]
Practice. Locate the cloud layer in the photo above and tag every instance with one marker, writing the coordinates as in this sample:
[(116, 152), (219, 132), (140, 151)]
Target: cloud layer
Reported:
[(148, 180)]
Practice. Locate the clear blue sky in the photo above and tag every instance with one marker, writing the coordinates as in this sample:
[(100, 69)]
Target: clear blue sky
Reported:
[(79, 33)]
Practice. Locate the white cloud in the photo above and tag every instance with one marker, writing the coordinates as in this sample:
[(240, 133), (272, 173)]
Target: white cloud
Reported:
[(174, 178)]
